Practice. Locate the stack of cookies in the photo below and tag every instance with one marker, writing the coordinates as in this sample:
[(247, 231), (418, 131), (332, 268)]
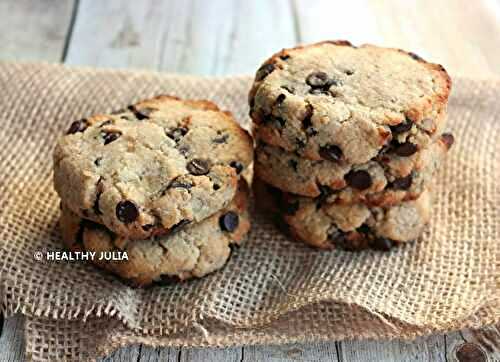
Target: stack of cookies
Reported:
[(348, 141), (160, 182)]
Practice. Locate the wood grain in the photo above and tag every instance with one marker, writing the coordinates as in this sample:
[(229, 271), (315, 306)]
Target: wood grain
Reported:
[(320, 352), (194, 36), (34, 29), (422, 349), (464, 36), (12, 340)]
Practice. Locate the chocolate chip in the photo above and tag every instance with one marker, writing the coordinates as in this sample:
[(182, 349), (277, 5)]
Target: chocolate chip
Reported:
[(333, 82), (277, 122), (177, 133), (179, 226), (141, 113), (234, 247), (280, 98), (106, 123), (318, 91), (289, 208), (221, 139), (284, 57), (402, 127), (384, 149), (402, 183), (238, 166), (216, 187), (97, 161), (110, 136), (382, 244), (147, 227), (126, 211), (300, 143), (78, 126), (325, 192), (317, 79), (180, 185), (307, 121), (293, 164), (184, 150), (264, 71), (359, 179), (338, 238), (288, 88), (415, 56), (405, 149), (331, 152), (448, 139), (349, 72), (118, 111), (364, 229), (311, 132), (95, 207), (198, 167), (229, 221)]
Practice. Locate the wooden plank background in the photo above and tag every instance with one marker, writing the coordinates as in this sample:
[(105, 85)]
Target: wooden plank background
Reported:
[(233, 37)]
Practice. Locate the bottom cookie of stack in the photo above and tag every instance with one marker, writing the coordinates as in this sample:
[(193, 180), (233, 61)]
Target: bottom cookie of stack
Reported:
[(192, 250), (348, 227)]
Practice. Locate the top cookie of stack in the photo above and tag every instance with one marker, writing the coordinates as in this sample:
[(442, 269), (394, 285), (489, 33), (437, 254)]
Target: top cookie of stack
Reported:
[(332, 100), (146, 170), (350, 138)]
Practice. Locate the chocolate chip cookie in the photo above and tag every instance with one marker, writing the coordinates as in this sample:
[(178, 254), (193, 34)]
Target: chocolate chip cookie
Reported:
[(191, 251), (157, 165), (383, 181), (347, 104), (349, 227)]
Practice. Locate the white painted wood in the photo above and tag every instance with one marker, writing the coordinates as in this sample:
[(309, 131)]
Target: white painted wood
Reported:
[(128, 354), (195, 36), (318, 352), (211, 354), (12, 340), (141, 353), (462, 35), (34, 29), (422, 349), (149, 354)]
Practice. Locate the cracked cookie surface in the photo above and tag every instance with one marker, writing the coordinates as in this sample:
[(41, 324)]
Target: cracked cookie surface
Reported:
[(350, 227), (159, 164), (334, 101), (383, 181), (192, 251)]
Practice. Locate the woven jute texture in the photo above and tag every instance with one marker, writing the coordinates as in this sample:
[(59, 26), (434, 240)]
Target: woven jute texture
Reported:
[(273, 290)]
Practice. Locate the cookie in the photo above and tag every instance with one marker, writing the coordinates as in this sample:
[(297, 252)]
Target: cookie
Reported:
[(383, 181), (349, 227), (346, 104), (160, 163), (191, 251)]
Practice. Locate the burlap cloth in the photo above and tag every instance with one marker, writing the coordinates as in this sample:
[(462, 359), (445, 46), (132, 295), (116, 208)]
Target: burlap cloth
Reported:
[(273, 290)]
